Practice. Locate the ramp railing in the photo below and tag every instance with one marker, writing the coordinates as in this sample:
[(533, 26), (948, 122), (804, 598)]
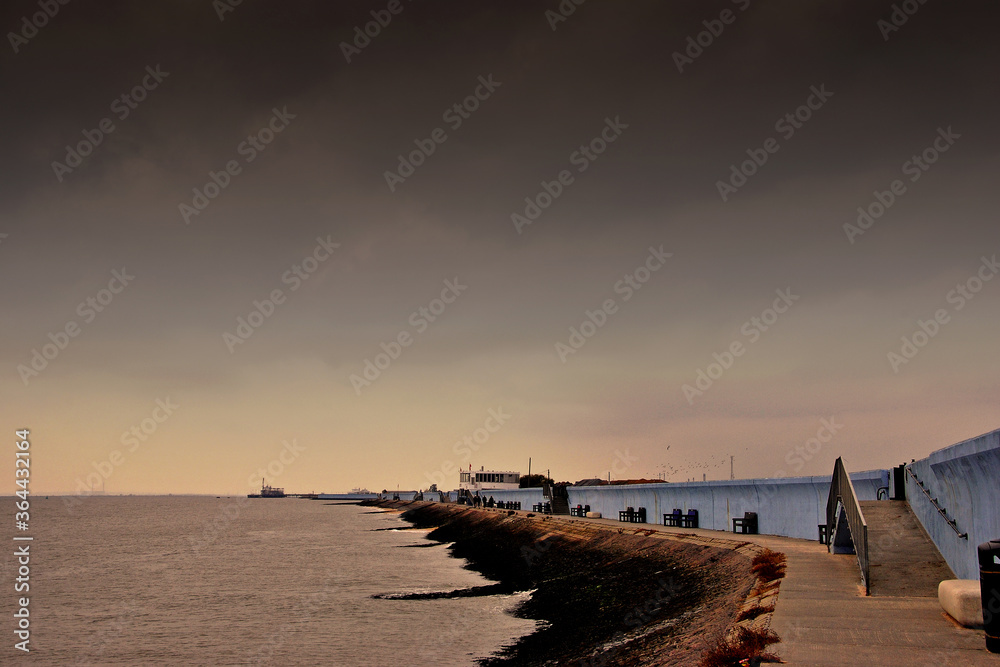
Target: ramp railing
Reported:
[(934, 501), (842, 494)]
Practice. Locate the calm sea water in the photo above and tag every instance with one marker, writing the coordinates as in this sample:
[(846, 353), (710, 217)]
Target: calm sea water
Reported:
[(207, 581)]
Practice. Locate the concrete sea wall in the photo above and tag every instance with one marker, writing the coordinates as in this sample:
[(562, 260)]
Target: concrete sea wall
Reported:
[(788, 506), (965, 480), (791, 506)]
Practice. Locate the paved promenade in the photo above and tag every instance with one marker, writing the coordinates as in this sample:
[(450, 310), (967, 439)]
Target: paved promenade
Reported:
[(824, 618)]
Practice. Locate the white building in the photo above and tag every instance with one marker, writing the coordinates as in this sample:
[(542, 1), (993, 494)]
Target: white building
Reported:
[(484, 480)]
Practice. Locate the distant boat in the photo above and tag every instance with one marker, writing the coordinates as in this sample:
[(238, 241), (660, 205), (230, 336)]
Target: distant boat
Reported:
[(267, 492)]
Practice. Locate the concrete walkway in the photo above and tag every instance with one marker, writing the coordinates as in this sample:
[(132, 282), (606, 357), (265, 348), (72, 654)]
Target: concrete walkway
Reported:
[(903, 561), (824, 618)]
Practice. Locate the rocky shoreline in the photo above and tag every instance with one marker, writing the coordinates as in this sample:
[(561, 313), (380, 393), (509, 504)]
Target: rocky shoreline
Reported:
[(609, 596)]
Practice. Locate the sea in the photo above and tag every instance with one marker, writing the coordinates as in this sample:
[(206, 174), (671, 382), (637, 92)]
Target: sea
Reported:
[(194, 580)]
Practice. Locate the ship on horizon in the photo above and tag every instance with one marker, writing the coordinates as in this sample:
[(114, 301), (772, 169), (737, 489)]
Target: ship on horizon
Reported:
[(267, 491)]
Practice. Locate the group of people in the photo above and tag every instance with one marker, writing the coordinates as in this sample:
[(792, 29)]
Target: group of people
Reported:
[(479, 501)]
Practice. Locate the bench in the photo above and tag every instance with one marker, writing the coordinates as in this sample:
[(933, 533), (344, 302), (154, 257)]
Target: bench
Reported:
[(673, 519), (579, 510), (676, 518), (632, 515), (747, 525)]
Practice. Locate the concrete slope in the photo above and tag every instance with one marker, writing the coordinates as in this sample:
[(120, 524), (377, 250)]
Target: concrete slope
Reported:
[(902, 559)]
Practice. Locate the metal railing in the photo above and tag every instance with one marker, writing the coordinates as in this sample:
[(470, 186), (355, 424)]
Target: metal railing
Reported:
[(842, 493), (934, 502)]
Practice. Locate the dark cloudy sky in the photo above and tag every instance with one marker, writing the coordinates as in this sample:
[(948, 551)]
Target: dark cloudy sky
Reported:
[(618, 402)]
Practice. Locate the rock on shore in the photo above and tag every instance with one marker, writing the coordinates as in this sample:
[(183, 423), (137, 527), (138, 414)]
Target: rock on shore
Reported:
[(610, 596)]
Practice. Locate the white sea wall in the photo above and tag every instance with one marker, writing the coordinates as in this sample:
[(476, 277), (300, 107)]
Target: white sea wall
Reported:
[(789, 506), (965, 480)]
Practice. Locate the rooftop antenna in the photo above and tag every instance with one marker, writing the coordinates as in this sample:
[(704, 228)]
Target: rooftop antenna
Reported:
[(731, 474)]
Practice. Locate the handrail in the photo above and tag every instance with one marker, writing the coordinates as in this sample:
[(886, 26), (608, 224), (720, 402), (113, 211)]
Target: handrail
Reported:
[(941, 510), (842, 494)]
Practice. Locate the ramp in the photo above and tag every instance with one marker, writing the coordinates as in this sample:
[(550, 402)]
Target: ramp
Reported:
[(902, 560)]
